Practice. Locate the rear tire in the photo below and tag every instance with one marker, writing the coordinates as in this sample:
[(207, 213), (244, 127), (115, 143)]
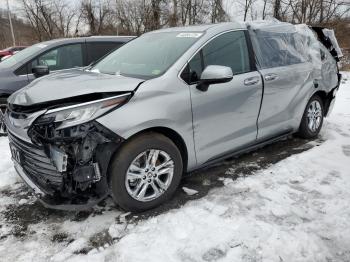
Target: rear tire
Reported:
[(312, 120), (138, 181)]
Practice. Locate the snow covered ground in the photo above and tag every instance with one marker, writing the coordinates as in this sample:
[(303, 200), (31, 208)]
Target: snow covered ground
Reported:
[(295, 210)]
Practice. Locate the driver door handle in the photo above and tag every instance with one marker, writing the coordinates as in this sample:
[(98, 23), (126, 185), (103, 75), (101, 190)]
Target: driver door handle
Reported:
[(252, 81)]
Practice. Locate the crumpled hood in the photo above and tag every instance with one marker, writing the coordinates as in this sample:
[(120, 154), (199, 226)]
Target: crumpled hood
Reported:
[(71, 83)]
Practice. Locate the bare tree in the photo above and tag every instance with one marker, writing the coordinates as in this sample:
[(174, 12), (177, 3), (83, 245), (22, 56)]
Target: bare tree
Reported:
[(317, 11), (247, 5), (218, 13), (277, 9), (95, 14), (173, 19), (64, 18), (154, 21), (50, 19), (57, 18), (132, 15), (264, 10)]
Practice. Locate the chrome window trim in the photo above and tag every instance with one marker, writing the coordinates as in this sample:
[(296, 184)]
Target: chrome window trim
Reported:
[(202, 46)]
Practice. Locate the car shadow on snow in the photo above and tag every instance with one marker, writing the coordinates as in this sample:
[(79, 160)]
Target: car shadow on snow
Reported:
[(28, 211), (244, 165)]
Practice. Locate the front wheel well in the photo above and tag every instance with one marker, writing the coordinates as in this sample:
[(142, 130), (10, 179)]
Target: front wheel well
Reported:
[(173, 136)]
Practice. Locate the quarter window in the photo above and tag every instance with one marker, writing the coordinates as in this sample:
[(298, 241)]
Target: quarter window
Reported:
[(193, 70), (281, 49)]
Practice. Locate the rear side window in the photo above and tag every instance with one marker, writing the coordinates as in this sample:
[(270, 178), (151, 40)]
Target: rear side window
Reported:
[(229, 49), (64, 57), (280, 49), (97, 50)]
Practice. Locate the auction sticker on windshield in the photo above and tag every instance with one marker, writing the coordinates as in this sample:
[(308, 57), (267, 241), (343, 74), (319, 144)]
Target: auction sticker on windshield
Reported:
[(189, 35)]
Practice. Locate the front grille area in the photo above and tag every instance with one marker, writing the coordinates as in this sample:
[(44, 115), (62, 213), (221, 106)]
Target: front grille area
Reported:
[(37, 165)]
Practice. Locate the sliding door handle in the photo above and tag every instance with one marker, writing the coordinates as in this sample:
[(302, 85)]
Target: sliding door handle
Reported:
[(270, 77)]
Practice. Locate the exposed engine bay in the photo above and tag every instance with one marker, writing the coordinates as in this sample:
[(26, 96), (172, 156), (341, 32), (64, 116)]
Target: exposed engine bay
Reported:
[(68, 163)]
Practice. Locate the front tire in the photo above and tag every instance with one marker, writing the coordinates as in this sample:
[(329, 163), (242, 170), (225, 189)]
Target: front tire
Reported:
[(312, 120), (145, 172)]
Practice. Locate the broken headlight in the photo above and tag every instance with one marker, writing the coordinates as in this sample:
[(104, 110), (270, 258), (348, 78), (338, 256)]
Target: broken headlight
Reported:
[(77, 114)]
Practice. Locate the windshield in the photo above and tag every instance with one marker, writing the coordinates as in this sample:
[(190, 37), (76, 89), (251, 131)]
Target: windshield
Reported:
[(22, 55), (147, 56)]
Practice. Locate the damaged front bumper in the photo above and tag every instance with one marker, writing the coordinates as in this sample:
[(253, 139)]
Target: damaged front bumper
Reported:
[(54, 202), (65, 169)]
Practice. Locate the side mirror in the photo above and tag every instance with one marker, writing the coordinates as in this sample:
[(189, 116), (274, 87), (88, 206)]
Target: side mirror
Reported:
[(214, 74), (40, 70)]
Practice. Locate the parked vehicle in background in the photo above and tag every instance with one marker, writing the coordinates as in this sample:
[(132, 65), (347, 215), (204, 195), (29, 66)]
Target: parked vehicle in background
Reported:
[(10, 51), (170, 102), (5, 57), (51, 56)]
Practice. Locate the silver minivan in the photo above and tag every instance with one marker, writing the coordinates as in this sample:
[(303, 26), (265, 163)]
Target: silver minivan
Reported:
[(167, 103)]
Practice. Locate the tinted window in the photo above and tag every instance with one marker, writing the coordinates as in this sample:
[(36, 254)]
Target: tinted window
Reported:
[(64, 57), (22, 70), (193, 70), (229, 49), (98, 50)]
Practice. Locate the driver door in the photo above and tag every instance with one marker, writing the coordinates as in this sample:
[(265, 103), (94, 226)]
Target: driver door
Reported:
[(224, 116)]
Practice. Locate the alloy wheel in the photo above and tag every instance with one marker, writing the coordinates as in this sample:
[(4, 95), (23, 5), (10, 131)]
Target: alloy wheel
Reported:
[(149, 175), (314, 115)]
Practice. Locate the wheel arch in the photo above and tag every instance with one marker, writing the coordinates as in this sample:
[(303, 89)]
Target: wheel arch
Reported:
[(326, 98), (174, 136)]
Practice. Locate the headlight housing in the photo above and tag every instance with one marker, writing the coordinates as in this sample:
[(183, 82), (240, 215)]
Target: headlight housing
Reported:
[(81, 113)]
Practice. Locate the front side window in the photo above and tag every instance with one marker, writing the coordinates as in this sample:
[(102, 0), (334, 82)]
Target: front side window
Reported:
[(64, 57), (148, 56), (229, 49)]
